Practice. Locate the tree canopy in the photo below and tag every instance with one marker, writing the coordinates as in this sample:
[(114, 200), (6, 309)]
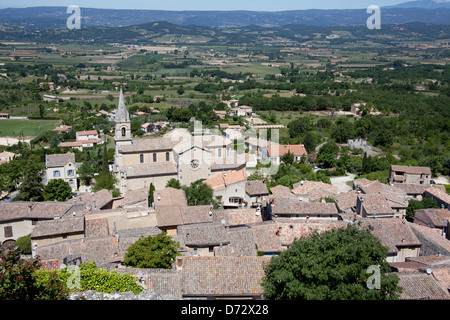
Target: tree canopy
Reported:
[(152, 252), (332, 265), (57, 189)]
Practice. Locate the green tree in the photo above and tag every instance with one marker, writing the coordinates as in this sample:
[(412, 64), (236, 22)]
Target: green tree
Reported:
[(57, 189), (199, 193), (31, 188), (288, 158), (18, 279), (173, 183), (309, 142), (105, 181), (330, 266), (93, 278), (151, 189), (24, 244), (152, 252)]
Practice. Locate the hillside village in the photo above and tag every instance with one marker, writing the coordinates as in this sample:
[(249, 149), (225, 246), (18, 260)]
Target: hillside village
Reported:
[(224, 248)]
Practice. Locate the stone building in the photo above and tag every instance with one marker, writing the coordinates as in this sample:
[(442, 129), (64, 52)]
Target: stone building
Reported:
[(179, 155)]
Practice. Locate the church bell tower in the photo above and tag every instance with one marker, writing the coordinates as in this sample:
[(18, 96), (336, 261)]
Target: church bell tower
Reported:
[(123, 125)]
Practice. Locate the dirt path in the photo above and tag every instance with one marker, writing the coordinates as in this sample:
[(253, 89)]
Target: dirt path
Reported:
[(341, 182)]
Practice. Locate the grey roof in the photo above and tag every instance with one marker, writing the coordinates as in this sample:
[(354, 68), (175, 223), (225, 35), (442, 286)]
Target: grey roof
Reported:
[(122, 114), (256, 187), (59, 160), (418, 285), (203, 234), (58, 227), (36, 210), (291, 206), (392, 232), (148, 145), (222, 276), (150, 169)]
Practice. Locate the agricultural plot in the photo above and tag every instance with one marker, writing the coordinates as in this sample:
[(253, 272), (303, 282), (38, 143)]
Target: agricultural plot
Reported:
[(26, 128)]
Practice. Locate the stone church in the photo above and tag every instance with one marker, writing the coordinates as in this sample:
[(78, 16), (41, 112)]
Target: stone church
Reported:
[(177, 154)]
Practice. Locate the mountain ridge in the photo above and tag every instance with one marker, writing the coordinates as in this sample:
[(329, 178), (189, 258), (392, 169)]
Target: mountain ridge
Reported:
[(56, 17)]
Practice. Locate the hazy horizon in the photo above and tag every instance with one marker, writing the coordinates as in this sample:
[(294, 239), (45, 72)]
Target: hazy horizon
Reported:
[(204, 5)]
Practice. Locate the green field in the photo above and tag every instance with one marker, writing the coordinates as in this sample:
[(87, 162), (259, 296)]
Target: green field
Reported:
[(26, 128)]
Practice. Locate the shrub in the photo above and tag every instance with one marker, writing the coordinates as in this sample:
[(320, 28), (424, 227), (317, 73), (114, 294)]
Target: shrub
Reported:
[(92, 278), (19, 280), (152, 252)]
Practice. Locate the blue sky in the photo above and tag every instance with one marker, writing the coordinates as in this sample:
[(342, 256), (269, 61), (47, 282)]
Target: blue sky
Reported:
[(254, 5)]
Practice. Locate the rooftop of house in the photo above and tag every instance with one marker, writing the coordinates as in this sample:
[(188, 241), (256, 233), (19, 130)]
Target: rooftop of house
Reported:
[(196, 214), (282, 192), (256, 187), (419, 285), (59, 160), (92, 200), (146, 169), (58, 227), (134, 197), (87, 133), (433, 234), (291, 206), (35, 210), (203, 234), (222, 180), (168, 216), (375, 204), (346, 201), (314, 190), (439, 217), (411, 169), (438, 193), (237, 217), (222, 276), (170, 197), (378, 187), (280, 150), (148, 144), (392, 232)]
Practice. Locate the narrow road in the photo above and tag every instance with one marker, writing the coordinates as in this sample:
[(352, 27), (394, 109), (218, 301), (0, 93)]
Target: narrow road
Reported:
[(341, 182)]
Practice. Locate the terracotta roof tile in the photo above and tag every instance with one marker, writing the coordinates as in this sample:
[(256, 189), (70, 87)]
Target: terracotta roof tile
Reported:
[(392, 232), (58, 227), (280, 150), (59, 160), (222, 276), (411, 169), (256, 187), (418, 285)]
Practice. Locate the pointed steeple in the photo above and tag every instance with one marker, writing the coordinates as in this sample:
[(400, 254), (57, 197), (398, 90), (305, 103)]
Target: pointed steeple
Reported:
[(122, 112)]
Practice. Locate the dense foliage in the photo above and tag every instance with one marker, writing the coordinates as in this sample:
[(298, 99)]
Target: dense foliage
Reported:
[(92, 278), (57, 190), (19, 279), (152, 252), (330, 266)]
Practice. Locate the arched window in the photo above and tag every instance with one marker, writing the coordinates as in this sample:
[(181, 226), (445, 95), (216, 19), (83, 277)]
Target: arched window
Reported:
[(167, 156), (124, 132), (154, 157), (141, 158)]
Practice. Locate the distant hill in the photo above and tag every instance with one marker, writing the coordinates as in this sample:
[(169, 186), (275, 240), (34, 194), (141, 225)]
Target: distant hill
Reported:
[(55, 17), (424, 4), (160, 32)]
